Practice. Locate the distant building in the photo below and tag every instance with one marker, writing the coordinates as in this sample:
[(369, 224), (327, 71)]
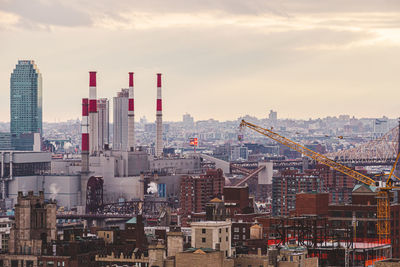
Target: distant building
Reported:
[(103, 110), (273, 115), (25, 100), (187, 120), (120, 130), (381, 127), (239, 153), (150, 128)]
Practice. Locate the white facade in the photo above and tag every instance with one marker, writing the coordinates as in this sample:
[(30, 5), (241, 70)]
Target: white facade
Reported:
[(103, 110), (208, 234), (62, 188), (120, 131)]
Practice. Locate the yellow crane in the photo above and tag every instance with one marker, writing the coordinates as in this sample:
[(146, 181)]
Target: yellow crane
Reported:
[(383, 195)]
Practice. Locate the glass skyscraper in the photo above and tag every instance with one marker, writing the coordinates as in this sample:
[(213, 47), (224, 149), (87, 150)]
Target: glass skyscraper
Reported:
[(26, 100)]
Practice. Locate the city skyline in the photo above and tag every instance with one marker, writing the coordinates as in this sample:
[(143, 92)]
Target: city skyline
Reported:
[(302, 58)]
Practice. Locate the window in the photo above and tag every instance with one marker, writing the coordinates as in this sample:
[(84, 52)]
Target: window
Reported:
[(203, 231), (244, 230), (203, 240), (236, 229), (226, 229), (220, 230), (220, 240), (226, 239)]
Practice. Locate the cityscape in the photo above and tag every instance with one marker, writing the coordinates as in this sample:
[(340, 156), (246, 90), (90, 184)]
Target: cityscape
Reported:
[(199, 180)]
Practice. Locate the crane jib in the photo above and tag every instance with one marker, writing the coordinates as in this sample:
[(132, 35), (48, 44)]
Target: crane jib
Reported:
[(314, 155)]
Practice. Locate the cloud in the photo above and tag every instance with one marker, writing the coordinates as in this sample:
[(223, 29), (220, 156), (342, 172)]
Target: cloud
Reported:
[(45, 13), (221, 59)]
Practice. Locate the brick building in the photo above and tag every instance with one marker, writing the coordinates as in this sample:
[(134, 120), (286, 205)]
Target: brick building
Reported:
[(34, 242), (237, 200), (197, 191), (339, 185), (287, 184)]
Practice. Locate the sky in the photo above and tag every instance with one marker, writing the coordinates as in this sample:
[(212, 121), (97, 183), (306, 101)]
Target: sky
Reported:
[(220, 59)]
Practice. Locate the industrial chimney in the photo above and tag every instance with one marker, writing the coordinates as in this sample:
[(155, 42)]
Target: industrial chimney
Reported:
[(131, 115), (159, 129), (85, 136), (93, 116)]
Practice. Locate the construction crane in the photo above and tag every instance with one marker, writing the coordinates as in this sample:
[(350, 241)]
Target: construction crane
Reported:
[(383, 195)]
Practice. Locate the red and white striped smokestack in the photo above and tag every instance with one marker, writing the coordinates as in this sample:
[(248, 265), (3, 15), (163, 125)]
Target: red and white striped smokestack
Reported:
[(85, 136), (93, 116), (131, 114), (159, 130)]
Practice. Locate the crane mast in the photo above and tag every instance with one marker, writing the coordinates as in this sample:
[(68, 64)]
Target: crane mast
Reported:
[(383, 200)]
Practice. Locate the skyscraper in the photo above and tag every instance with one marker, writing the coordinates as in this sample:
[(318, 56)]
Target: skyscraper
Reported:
[(120, 130), (25, 101)]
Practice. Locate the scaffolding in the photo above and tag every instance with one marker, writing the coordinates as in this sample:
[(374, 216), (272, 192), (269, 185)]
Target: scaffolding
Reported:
[(333, 246)]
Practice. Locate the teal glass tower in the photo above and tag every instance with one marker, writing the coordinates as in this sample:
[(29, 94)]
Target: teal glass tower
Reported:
[(26, 100)]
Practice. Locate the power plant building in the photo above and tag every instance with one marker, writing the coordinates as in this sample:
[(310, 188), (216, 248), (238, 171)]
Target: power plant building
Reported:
[(120, 109), (103, 109)]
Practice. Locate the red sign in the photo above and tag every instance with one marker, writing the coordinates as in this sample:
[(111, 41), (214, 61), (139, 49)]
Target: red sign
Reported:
[(193, 142)]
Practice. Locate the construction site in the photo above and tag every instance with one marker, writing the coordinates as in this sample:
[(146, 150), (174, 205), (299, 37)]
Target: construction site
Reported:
[(358, 230)]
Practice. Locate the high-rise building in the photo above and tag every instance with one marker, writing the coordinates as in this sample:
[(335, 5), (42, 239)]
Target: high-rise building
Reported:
[(197, 191), (287, 184), (25, 100), (103, 110), (120, 131)]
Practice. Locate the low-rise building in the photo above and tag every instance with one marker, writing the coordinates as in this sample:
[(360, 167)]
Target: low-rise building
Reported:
[(5, 227), (214, 235)]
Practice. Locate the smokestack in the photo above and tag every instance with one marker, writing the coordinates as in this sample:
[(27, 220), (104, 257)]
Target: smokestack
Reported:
[(159, 130), (131, 115), (93, 116), (85, 136)]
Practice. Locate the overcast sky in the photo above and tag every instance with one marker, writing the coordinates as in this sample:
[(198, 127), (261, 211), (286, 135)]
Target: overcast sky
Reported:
[(219, 59)]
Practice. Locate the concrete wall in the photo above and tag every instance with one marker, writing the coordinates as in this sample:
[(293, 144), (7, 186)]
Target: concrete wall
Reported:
[(265, 176), (128, 188), (137, 162), (172, 183), (27, 157), (63, 188), (180, 165)]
